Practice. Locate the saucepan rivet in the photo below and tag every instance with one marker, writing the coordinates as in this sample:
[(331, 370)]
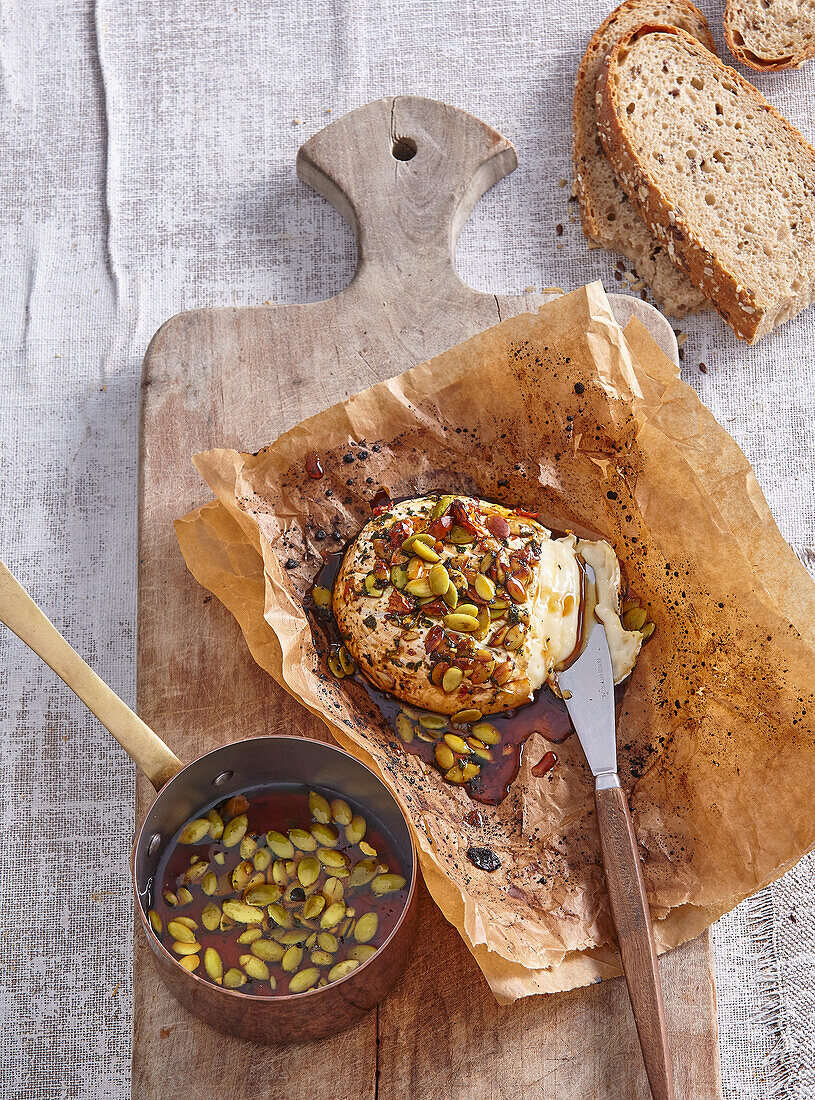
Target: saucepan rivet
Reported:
[(153, 846), (224, 777)]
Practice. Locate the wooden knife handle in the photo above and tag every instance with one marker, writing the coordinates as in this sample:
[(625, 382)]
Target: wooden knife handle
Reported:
[(629, 906)]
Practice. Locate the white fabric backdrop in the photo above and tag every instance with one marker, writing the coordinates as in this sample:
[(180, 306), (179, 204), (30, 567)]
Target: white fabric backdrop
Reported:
[(147, 166)]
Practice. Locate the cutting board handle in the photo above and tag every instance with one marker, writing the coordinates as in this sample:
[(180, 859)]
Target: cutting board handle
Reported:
[(405, 172)]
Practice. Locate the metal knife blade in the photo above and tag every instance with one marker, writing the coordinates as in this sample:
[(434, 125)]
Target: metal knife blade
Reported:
[(588, 690)]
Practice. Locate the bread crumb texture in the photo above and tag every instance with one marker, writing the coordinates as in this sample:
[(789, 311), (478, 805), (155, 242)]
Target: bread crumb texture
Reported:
[(725, 183)]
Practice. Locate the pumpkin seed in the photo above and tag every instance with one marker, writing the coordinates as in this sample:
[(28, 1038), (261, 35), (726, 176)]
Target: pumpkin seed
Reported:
[(308, 870), (515, 589), (346, 661), (188, 922), (387, 884), (241, 875), (302, 840), (355, 829), (399, 577), (250, 935), (194, 831), (210, 917), (242, 913), (213, 965), (184, 897), (220, 858), (280, 916), (333, 889), (470, 771), (263, 895), (514, 637), (237, 804), (452, 679), (235, 831), (326, 835), (427, 553), (279, 872), (314, 906), (342, 969), (182, 948), (268, 950), (366, 927), (486, 733), (366, 848), (190, 962), (484, 587), (319, 807), (648, 630), (257, 879), (362, 952), (456, 743), (155, 921), (254, 967), (459, 536), (334, 667), (419, 588), (333, 915), (462, 624), (450, 597), (262, 859), (234, 978), (454, 775), (341, 811), (321, 596), (480, 750), (484, 565), (170, 898), (464, 717), (404, 727), (330, 857), (194, 873), (635, 618), (292, 958), (328, 942), (444, 757), (432, 721), (209, 883), (321, 958), (441, 506), (363, 872), (248, 847), (439, 580), (304, 980), (181, 932)]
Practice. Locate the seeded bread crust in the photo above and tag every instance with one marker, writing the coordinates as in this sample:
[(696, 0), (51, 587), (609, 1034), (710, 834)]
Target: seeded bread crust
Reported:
[(607, 216), (769, 35), (738, 212)]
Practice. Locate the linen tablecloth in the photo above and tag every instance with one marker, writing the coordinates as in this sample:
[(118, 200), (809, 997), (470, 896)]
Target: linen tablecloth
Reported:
[(147, 166)]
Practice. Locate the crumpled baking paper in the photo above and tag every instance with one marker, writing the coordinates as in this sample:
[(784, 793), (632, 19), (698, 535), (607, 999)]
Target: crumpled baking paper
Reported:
[(563, 413)]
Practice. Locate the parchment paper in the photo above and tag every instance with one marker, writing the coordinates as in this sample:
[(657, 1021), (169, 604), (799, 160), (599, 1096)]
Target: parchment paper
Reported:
[(558, 412)]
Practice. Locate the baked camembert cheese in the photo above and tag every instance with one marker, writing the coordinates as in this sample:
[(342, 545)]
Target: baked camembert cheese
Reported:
[(465, 607)]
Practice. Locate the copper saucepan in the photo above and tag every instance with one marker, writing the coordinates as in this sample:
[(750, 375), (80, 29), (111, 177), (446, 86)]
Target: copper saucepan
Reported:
[(186, 791)]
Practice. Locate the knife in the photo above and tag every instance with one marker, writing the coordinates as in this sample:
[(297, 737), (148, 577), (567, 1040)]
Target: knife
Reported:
[(587, 686)]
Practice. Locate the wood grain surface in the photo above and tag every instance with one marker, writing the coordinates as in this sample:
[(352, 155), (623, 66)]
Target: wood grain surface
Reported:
[(240, 377)]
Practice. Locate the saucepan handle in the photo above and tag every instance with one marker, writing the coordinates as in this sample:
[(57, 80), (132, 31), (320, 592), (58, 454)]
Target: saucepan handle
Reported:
[(629, 906), (20, 614)]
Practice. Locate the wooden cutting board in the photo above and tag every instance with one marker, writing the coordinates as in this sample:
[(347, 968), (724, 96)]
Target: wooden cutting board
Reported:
[(405, 173)]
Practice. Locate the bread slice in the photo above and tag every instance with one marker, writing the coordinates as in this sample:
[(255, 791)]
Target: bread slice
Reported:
[(770, 34), (607, 215), (719, 177)]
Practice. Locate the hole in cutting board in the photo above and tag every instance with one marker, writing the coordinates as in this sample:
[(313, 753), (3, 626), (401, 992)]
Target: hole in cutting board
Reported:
[(404, 148)]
